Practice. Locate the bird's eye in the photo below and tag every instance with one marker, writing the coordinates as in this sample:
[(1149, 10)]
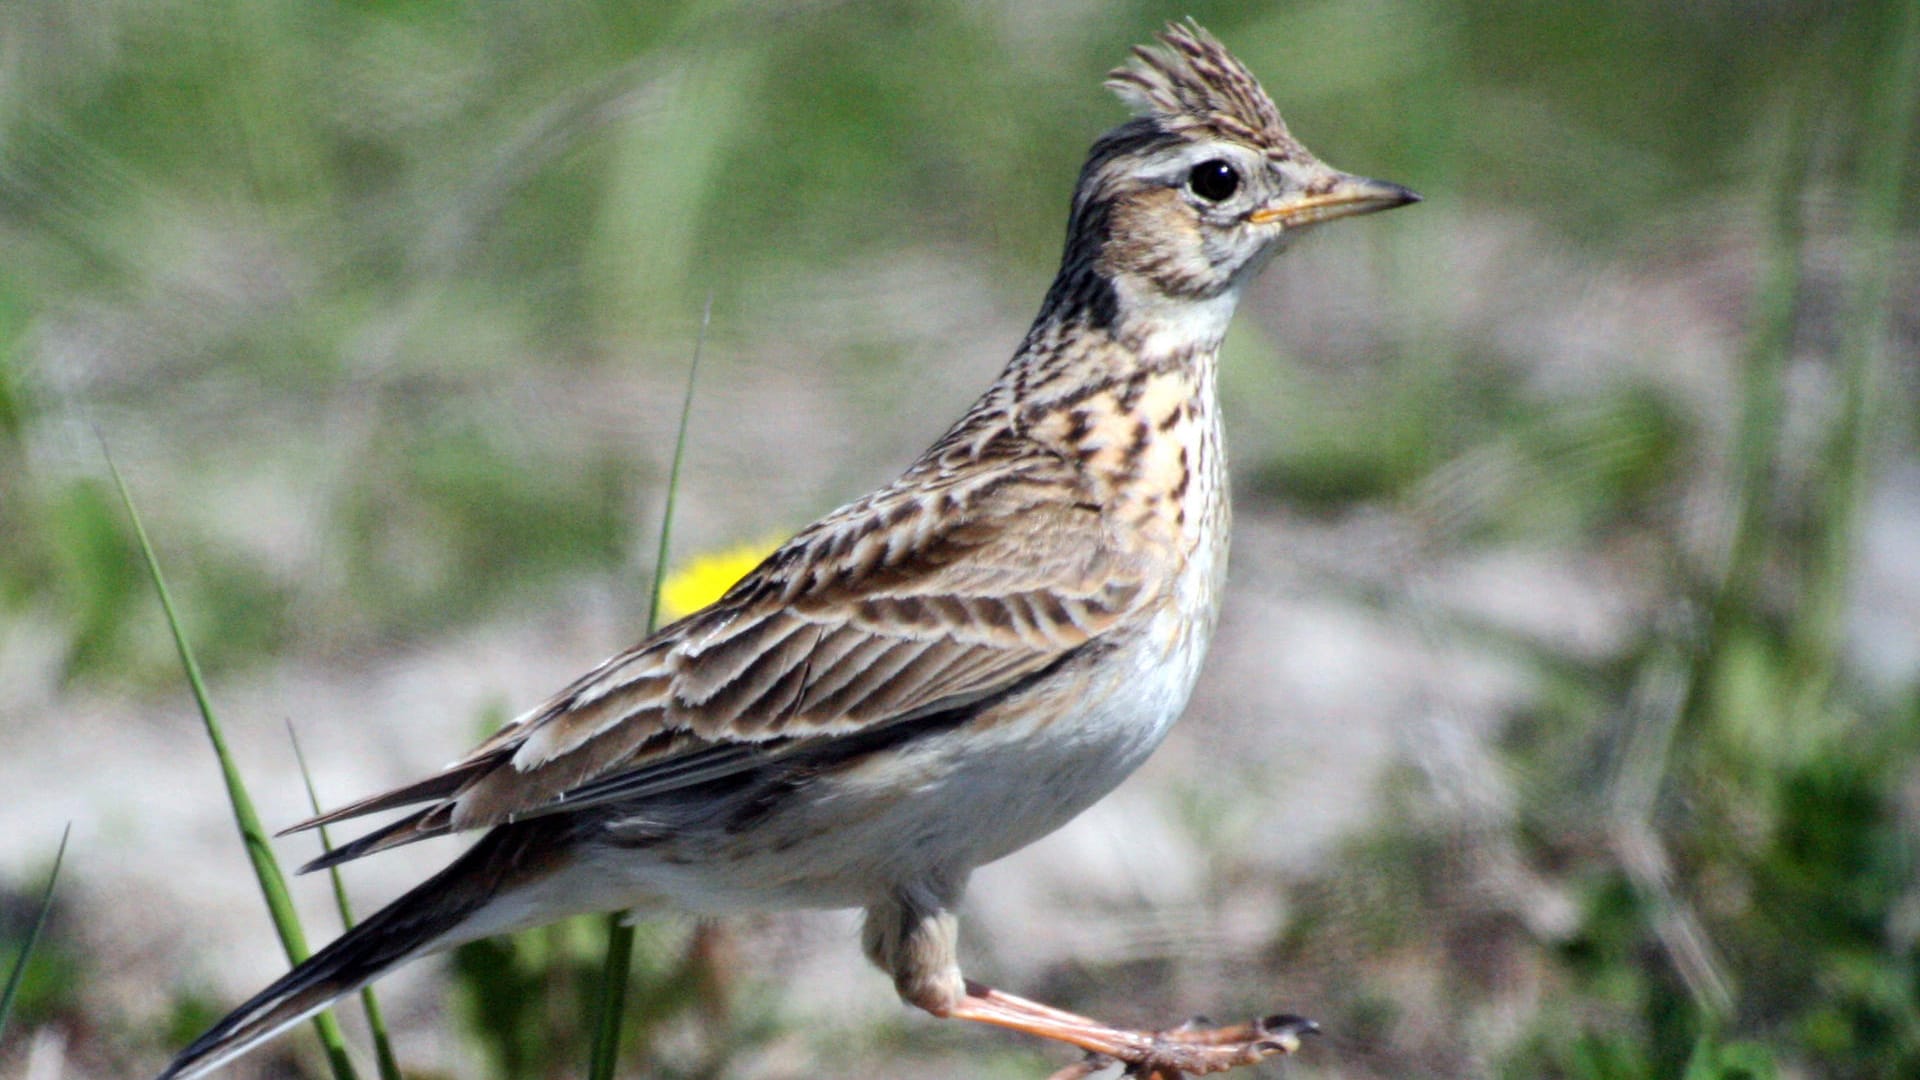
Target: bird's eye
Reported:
[(1214, 180)]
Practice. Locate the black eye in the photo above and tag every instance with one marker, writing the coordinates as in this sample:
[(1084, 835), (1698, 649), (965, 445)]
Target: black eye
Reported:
[(1214, 180)]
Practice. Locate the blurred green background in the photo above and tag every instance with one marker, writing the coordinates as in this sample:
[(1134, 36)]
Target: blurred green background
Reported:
[(1607, 449)]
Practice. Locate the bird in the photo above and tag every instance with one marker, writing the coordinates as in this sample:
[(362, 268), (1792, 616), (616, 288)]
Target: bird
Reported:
[(933, 675)]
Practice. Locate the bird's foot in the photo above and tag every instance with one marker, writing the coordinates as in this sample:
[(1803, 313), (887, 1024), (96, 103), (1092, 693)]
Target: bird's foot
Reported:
[(1195, 1048)]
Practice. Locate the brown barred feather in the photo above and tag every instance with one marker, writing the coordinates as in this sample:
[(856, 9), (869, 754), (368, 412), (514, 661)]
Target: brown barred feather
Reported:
[(879, 612)]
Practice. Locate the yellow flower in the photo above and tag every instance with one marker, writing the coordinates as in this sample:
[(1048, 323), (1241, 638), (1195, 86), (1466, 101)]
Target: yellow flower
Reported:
[(705, 579)]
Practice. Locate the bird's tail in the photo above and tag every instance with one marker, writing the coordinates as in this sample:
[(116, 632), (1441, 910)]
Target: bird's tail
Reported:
[(436, 915)]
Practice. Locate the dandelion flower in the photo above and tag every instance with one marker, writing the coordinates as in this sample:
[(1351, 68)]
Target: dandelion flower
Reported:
[(707, 577)]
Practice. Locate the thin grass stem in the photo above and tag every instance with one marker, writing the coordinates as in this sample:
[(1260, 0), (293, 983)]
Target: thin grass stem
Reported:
[(619, 959), (1727, 603), (383, 1056), (1887, 132), (1769, 338), (266, 868), (19, 972)]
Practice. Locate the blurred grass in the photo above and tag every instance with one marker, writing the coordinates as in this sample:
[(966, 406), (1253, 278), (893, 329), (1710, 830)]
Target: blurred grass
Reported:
[(353, 282), (311, 225), (266, 867), (23, 955)]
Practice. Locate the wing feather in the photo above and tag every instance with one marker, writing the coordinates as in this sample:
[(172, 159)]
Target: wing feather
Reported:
[(943, 589)]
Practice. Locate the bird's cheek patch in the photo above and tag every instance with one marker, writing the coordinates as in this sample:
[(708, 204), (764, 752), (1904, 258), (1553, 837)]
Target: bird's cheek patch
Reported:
[(1156, 235)]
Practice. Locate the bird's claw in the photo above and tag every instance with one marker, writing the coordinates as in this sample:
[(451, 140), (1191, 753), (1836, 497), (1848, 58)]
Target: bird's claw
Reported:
[(1093, 1062), (1196, 1048)]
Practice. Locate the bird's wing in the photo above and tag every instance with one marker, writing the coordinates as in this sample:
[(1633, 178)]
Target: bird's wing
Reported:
[(938, 591)]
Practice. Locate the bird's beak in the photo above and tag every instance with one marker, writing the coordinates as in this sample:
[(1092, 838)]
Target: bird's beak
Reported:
[(1345, 196)]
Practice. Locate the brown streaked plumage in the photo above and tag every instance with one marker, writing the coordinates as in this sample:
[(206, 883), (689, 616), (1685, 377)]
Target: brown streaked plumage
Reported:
[(938, 673)]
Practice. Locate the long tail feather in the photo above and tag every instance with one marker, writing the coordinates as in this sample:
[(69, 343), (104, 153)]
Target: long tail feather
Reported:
[(432, 789), (419, 825), (427, 919)]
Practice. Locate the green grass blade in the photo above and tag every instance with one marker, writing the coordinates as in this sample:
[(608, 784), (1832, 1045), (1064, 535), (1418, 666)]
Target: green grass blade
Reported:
[(1889, 126), (613, 999), (1730, 602), (383, 1056), (19, 971), (661, 551), (613, 977), (1769, 342), (266, 868)]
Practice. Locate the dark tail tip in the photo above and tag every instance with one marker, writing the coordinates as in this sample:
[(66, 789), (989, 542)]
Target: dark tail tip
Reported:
[(410, 926), (292, 999), (403, 929)]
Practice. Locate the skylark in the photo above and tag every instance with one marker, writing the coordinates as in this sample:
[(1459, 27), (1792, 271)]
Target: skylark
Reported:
[(936, 674)]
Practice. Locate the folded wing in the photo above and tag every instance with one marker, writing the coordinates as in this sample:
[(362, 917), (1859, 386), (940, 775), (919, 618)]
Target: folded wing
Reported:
[(941, 590)]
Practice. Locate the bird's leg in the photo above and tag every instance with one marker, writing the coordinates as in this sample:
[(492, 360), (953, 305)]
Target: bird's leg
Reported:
[(916, 940)]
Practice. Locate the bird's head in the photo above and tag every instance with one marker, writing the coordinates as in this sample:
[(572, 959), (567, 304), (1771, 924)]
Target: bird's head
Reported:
[(1187, 201)]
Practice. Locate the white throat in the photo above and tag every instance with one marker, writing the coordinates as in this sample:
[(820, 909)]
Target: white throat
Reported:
[(1160, 325)]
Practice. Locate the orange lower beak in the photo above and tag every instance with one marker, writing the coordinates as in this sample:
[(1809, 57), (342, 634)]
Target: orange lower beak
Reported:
[(1348, 196)]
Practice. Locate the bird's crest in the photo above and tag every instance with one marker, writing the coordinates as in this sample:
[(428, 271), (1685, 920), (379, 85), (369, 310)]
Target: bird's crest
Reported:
[(1191, 84)]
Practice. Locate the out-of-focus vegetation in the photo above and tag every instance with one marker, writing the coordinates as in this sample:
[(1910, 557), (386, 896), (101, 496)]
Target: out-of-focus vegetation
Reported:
[(22, 958), (360, 293)]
